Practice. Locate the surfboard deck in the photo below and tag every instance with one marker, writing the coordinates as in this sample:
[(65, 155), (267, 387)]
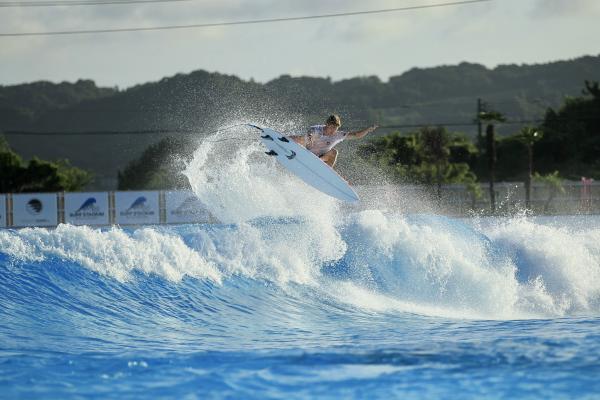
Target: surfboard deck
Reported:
[(306, 165)]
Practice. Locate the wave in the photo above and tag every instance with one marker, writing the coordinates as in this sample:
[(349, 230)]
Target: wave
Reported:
[(288, 260), (371, 262)]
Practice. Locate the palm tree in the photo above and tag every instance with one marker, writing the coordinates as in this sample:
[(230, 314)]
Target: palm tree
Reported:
[(553, 183)]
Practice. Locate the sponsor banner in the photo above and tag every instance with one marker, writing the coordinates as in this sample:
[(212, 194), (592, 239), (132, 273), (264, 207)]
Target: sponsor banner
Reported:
[(35, 209), (132, 208), (2, 211), (86, 208), (184, 206)]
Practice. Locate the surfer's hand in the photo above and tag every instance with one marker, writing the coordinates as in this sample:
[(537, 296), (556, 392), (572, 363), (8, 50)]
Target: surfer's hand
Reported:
[(371, 129)]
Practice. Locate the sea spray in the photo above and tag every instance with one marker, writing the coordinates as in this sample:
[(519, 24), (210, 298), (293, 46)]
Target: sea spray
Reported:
[(240, 185), (237, 182)]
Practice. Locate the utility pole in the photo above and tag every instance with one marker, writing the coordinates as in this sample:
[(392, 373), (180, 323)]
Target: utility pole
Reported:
[(528, 137), (486, 113), (491, 154), (478, 119)]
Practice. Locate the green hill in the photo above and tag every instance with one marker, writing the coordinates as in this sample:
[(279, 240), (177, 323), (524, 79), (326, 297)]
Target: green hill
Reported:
[(197, 103)]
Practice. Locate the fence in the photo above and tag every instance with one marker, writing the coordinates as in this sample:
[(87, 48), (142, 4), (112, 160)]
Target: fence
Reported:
[(102, 208), (174, 207), (574, 198)]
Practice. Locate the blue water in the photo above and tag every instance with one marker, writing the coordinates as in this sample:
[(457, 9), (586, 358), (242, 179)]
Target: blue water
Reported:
[(293, 295), (370, 304)]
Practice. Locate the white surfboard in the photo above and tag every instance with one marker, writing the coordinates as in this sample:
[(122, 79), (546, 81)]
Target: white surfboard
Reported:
[(306, 165)]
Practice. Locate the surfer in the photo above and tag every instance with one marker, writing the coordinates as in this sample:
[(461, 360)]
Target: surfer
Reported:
[(320, 139)]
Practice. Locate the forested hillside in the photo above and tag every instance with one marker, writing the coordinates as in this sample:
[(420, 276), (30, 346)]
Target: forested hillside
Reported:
[(80, 115)]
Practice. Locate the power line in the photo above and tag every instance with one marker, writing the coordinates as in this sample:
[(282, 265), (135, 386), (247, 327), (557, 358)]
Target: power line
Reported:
[(193, 131), (102, 133), (60, 3), (196, 131), (246, 22)]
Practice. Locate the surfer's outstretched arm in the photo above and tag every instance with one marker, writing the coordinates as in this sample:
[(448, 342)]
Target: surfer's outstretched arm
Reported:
[(362, 133)]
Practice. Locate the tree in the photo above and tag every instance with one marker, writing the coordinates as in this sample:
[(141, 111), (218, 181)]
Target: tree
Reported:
[(434, 150), (430, 156), (571, 141), (38, 175), (10, 165), (553, 183), (158, 167)]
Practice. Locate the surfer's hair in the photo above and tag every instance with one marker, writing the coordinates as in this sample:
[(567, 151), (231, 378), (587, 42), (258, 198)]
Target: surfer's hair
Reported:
[(334, 120)]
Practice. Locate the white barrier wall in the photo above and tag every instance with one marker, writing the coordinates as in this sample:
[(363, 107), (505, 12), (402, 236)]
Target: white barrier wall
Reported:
[(87, 208), (184, 207), (3, 214), (35, 209), (133, 208)]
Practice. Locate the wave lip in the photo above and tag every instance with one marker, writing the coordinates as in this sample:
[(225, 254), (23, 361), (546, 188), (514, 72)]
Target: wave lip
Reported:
[(433, 262), (512, 269)]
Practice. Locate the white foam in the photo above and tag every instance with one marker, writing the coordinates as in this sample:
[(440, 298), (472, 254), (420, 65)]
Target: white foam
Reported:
[(368, 300), (112, 253), (559, 265), (433, 267), (523, 270)]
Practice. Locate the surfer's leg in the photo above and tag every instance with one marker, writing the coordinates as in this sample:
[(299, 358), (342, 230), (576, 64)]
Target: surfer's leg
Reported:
[(330, 157)]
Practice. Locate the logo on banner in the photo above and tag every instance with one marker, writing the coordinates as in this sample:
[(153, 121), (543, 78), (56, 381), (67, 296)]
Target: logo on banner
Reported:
[(87, 209), (189, 207), (139, 208), (34, 207)]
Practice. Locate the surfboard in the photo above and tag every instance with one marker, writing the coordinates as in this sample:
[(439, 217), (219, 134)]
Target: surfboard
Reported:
[(305, 165)]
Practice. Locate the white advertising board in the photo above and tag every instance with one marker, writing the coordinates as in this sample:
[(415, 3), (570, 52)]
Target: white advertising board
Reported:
[(35, 209), (2, 211), (133, 208), (184, 207), (86, 208)]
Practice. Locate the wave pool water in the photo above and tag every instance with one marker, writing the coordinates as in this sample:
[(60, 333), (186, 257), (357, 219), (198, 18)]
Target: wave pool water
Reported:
[(412, 306), (293, 296)]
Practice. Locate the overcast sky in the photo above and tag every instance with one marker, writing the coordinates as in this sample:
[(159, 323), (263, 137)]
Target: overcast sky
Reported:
[(490, 33)]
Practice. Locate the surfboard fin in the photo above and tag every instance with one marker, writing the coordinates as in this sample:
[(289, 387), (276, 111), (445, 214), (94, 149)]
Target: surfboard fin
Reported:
[(257, 127), (268, 137), (284, 139), (272, 153)]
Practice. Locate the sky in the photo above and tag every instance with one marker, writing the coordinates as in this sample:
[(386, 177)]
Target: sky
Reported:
[(388, 44)]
